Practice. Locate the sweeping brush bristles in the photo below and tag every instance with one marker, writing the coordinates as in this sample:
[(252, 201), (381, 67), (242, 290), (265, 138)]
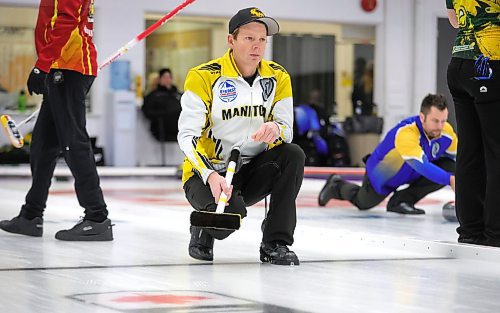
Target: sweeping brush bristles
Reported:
[(12, 132), (216, 220)]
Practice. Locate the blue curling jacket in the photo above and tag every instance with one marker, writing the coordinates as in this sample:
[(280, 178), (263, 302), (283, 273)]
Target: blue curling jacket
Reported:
[(406, 154)]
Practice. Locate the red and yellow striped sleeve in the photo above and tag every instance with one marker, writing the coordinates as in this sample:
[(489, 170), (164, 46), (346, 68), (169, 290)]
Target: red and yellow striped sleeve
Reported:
[(63, 36)]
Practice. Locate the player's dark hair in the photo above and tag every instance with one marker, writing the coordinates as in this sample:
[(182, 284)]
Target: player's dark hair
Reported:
[(438, 101)]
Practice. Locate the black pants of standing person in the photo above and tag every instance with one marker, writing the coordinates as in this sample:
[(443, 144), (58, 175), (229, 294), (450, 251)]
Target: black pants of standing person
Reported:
[(277, 172), (477, 109), (61, 127), (364, 197)]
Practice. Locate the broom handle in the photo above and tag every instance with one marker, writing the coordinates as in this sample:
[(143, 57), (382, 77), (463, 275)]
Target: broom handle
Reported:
[(144, 34), (129, 45), (229, 178), (29, 118), (231, 169)]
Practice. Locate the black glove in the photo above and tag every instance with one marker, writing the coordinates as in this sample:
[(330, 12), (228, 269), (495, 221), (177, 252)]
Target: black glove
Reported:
[(36, 82)]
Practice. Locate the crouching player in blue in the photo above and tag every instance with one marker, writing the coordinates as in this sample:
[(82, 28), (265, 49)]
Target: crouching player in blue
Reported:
[(420, 151)]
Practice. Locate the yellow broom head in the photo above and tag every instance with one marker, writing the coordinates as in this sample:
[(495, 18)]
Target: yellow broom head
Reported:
[(15, 137)]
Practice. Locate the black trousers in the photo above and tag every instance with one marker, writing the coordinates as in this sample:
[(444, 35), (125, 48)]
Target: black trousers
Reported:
[(277, 172), (477, 109), (61, 127), (364, 197)]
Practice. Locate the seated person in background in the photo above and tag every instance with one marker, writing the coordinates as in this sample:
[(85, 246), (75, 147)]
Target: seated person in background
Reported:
[(362, 93), (162, 107), (419, 151), (316, 103)]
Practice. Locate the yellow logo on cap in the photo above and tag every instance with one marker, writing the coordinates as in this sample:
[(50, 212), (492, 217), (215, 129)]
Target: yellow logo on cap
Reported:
[(256, 12)]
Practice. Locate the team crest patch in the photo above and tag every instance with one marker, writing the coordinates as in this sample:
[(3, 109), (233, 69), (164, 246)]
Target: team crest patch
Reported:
[(267, 86), (435, 149), (58, 77), (227, 91)]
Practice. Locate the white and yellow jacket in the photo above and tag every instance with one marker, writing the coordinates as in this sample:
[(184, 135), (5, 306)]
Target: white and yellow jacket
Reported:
[(220, 111)]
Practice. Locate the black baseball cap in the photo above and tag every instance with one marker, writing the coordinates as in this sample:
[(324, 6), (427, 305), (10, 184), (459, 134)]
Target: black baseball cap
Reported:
[(245, 16)]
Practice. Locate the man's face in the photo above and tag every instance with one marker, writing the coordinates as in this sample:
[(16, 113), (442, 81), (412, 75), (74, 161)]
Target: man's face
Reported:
[(165, 80), (433, 122), (250, 44)]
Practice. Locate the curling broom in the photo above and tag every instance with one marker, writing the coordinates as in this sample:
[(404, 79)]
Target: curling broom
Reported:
[(219, 219), (12, 131), (10, 126)]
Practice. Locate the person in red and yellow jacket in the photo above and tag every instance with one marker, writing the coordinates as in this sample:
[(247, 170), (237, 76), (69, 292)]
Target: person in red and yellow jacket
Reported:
[(63, 36), (63, 73)]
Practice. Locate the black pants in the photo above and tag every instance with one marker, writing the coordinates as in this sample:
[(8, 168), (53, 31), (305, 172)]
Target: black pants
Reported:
[(278, 172), (477, 109), (61, 127), (365, 197)]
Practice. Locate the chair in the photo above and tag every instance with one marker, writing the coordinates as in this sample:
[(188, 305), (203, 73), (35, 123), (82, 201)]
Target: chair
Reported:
[(307, 123)]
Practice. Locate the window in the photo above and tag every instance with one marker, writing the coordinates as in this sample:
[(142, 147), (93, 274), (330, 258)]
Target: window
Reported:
[(310, 62), (179, 45), (321, 59), (17, 47)]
